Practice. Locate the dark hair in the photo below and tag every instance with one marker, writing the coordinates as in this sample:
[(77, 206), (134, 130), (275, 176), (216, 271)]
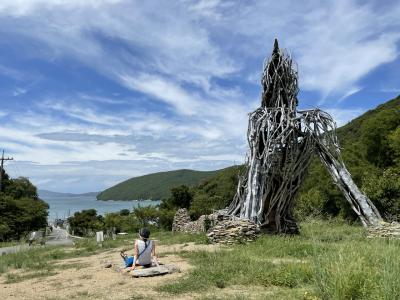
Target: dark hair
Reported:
[(144, 233)]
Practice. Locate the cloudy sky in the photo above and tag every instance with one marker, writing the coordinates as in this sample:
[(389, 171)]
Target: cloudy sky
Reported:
[(97, 91)]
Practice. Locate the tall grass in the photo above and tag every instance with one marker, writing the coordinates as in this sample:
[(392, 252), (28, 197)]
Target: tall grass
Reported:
[(329, 260), (368, 270), (34, 258)]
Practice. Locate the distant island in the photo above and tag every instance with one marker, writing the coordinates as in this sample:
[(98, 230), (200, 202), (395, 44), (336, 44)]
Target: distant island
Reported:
[(154, 186), (49, 194)]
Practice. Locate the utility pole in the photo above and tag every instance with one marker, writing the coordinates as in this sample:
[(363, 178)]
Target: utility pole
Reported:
[(2, 168)]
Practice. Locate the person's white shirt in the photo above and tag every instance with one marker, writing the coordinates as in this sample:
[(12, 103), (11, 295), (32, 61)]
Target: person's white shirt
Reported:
[(144, 252)]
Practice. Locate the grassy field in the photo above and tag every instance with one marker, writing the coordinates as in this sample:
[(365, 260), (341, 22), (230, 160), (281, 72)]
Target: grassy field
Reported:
[(328, 260)]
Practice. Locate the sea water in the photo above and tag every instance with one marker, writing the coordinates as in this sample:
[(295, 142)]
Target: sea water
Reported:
[(62, 207)]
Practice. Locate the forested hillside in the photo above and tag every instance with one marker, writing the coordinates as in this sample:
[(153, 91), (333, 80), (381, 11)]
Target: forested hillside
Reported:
[(154, 186), (21, 210)]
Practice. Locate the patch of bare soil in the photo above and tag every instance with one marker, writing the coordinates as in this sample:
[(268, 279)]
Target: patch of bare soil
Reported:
[(86, 278)]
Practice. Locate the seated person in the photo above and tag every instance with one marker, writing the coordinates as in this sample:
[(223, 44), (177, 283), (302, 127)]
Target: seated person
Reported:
[(144, 250)]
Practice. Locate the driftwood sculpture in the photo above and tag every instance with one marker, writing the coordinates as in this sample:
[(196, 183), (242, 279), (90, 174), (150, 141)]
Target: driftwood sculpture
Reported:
[(281, 140)]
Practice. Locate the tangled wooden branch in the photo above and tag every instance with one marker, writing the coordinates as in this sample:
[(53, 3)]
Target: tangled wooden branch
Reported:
[(281, 140)]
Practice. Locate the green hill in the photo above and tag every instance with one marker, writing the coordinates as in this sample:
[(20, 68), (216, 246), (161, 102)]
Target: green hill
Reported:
[(154, 186)]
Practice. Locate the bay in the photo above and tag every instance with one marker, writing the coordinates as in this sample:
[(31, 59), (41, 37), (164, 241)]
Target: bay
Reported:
[(62, 207)]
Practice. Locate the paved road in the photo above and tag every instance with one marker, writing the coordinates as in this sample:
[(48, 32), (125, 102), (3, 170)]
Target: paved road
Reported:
[(59, 237)]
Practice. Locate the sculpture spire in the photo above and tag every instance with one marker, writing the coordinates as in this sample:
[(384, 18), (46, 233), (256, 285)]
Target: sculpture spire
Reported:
[(279, 81), (276, 46)]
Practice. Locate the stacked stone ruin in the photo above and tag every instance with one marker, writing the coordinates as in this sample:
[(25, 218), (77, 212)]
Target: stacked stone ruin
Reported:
[(182, 222), (233, 230), (224, 229), (386, 230)]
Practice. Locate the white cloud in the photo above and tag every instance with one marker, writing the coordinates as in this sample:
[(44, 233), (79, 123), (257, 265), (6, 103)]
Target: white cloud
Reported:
[(161, 89), (352, 91), (335, 43), (342, 115), (193, 57)]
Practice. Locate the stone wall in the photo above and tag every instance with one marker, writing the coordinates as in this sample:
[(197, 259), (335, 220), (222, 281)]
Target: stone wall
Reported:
[(232, 230), (224, 229), (387, 230), (182, 222)]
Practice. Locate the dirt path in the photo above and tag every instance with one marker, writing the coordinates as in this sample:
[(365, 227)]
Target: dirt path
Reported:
[(86, 278)]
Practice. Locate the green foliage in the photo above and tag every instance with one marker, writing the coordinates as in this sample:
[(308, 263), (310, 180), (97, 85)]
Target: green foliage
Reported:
[(154, 186), (124, 212), (311, 204), (21, 210), (86, 222), (375, 134), (21, 188), (394, 142), (146, 215), (181, 197), (165, 218), (216, 192), (384, 191)]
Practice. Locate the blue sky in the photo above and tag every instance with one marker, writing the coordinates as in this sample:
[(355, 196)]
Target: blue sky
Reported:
[(94, 92)]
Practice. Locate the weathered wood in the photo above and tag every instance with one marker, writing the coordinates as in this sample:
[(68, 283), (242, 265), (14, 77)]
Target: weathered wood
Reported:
[(281, 140)]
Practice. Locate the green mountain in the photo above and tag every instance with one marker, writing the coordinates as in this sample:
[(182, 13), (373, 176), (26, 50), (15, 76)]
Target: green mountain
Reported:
[(154, 186)]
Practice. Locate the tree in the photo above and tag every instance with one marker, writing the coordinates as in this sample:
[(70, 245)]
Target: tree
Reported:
[(86, 222), (21, 210), (384, 191), (181, 197), (376, 136), (146, 215), (124, 212)]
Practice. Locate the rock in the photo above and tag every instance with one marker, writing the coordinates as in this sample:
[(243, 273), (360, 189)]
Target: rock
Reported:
[(230, 230), (224, 228), (155, 271), (182, 222)]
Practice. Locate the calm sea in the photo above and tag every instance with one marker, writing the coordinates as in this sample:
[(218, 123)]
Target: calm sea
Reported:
[(62, 207)]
